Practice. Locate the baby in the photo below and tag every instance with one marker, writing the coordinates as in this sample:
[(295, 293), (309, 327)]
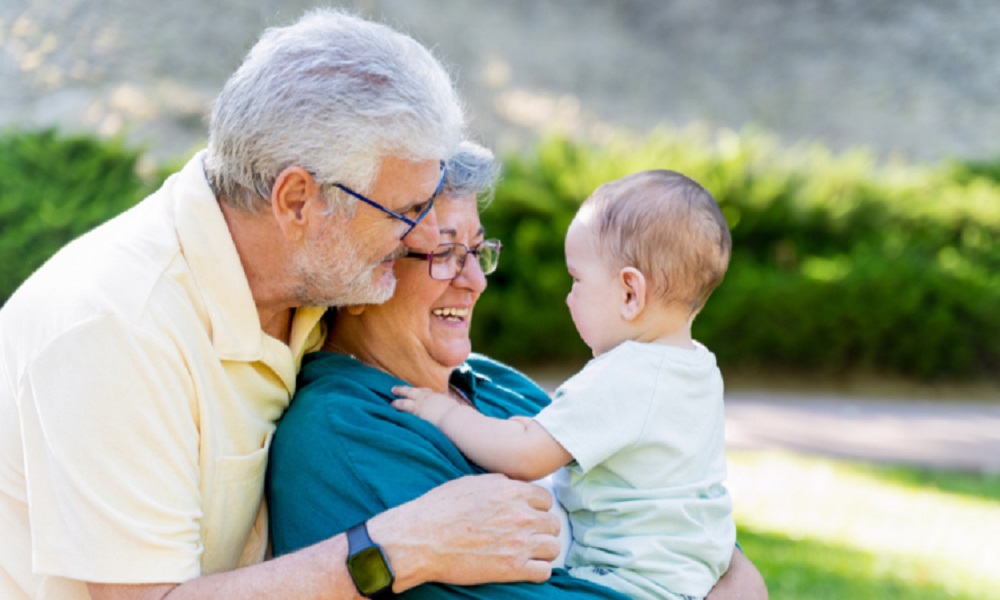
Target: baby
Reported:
[(640, 429)]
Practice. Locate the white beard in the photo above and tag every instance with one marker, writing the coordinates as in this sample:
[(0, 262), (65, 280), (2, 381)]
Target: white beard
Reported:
[(329, 274)]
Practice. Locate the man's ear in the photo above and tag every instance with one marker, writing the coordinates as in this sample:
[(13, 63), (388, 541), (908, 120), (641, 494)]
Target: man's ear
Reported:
[(293, 197), (633, 289)]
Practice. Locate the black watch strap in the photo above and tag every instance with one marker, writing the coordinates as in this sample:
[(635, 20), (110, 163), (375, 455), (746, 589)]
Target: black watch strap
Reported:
[(368, 565)]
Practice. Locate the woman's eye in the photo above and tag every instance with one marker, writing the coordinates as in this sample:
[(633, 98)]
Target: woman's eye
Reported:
[(418, 209)]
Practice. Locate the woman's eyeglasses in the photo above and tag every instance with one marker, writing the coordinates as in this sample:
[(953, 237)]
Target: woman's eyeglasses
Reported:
[(448, 259)]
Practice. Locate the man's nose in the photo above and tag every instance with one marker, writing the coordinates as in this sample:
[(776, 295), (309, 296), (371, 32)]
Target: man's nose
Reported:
[(425, 235)]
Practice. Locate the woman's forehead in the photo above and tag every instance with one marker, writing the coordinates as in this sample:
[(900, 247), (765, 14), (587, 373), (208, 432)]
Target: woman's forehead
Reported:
[(458, 217)]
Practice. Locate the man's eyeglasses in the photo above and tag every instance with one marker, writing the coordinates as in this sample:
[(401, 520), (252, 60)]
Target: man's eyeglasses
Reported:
[(448, 259), (420, 210)]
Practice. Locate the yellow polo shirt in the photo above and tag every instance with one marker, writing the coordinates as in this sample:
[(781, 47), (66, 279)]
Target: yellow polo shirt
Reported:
[(138, 396)]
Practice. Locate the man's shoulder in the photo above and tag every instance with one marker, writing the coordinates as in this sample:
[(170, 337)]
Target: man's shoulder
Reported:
[(119, 272)]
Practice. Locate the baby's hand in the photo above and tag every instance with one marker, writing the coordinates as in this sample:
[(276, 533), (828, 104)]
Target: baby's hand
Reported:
[(424, 403)]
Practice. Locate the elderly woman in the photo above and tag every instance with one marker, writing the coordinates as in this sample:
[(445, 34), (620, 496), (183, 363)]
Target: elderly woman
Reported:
[(342, 453)]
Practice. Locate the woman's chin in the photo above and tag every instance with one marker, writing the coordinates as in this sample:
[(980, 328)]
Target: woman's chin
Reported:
[(453, 355)]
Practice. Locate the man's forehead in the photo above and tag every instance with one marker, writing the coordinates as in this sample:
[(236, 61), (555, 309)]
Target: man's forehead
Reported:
[(399, 164)]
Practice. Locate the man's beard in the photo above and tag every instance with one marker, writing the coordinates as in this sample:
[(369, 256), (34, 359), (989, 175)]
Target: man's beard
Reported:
[(329, 274)]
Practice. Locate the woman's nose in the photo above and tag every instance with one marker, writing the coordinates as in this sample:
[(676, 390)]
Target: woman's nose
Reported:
[(471, 275)]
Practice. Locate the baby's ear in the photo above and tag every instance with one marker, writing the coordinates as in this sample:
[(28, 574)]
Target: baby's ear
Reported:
[(633, 289)]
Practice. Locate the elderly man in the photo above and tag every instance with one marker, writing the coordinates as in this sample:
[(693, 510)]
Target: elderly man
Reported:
[(143, 368)]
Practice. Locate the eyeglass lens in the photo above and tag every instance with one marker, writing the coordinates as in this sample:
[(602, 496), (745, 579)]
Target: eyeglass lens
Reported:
[(448, 259)]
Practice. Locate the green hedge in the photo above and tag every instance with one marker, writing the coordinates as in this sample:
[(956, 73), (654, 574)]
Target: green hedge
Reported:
[(840, 263), (55, 187)]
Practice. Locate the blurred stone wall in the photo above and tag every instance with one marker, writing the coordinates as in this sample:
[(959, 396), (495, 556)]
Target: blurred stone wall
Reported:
[(920, 79)]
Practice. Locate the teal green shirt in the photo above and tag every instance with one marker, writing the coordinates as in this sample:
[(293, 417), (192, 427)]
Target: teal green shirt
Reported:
[(342, 454)]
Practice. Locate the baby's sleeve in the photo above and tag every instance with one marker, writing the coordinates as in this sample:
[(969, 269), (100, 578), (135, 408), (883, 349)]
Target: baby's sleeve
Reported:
[(597, 413)]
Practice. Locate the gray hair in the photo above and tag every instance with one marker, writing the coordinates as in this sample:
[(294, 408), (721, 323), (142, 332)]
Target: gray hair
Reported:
[(334, 94), (471, 170)]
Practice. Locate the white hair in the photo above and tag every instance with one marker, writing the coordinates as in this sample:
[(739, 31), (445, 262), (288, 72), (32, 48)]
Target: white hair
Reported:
[(334, 94)]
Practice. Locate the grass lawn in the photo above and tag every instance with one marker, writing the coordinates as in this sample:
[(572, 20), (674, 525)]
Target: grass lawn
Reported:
[(823, 529)]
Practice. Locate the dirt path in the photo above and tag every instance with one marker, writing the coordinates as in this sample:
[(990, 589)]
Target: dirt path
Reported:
[(953, 435)]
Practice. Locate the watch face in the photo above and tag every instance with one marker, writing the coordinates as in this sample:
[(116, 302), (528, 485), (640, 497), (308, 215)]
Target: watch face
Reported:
[(370, 572)]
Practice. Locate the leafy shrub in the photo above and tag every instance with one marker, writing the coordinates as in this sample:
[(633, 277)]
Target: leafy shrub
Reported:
[(968, 170), (839, 263), (54, 188)]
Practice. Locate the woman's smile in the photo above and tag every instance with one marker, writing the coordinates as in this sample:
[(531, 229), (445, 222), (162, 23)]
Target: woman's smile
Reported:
[(454, 313)]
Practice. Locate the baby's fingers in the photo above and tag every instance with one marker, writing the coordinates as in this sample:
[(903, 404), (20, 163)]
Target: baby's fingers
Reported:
[(405, 405), (410, 392)]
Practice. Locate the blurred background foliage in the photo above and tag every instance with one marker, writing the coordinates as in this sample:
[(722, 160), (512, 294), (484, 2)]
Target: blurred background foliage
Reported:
[(840, 263), (55, 187)]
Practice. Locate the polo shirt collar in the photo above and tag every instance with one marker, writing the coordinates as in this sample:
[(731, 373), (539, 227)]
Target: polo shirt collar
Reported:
[(215, 265)]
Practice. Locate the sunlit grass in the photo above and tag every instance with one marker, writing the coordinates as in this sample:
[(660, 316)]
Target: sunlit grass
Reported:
[(821, 528)]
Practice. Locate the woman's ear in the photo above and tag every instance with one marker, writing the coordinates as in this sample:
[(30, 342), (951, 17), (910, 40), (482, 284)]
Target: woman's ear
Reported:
[(633, 287), (355, 310)]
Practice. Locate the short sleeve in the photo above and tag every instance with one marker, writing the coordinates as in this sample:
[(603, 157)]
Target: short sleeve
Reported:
[(111, 458), (603, 408)]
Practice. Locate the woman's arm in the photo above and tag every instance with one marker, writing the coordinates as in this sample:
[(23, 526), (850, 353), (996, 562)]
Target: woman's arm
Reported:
[(517, 447)]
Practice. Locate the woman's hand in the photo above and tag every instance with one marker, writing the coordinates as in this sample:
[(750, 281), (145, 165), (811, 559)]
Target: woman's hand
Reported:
[(424, 403), (473, 530)]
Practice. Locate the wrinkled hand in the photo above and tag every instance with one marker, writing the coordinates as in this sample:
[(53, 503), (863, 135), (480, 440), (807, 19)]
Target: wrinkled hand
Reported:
[(473, 530), (424, 403)]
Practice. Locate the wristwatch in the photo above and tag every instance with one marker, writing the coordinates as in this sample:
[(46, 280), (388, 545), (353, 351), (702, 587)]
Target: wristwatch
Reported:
[(368, 565)]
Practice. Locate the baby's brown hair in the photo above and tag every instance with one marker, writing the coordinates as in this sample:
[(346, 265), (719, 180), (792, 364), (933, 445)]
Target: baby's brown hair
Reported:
[(668, 227)]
